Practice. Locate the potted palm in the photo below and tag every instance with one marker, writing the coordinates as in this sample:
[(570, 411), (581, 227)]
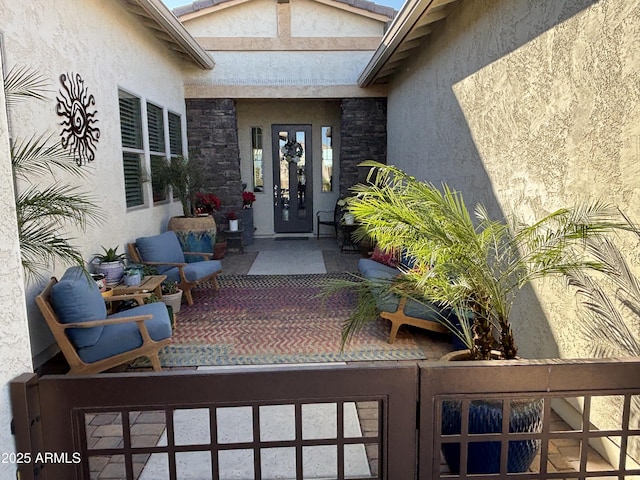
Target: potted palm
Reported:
[(474, 267), (197, 233)]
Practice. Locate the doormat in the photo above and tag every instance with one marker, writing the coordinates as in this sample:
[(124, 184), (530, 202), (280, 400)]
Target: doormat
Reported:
[(280, 239), (275, 319)]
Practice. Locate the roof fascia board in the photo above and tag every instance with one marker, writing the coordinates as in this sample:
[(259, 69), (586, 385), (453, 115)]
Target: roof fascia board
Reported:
[(168, 22), (358, 11), (206, 11), (393, 38)]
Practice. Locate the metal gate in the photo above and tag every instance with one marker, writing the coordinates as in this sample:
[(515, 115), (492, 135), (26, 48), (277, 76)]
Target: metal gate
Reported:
[(55, 415), (383, 421)]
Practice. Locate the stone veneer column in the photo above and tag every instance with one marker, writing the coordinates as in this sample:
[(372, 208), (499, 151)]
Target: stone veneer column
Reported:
[(363, 136), (212, 132)]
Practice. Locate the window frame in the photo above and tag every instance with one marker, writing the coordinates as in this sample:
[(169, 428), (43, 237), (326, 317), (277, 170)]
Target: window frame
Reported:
[(164, 147)]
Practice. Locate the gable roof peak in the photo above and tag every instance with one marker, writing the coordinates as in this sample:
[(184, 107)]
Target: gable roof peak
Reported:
[(365, 5)]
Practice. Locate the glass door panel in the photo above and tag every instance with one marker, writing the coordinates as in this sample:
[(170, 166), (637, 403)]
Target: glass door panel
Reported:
[(292, 178)]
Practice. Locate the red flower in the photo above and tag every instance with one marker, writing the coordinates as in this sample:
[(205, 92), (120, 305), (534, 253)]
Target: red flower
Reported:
[(207, 202), (248, 198)]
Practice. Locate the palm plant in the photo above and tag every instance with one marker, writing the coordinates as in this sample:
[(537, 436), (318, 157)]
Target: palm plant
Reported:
[(184, 177), (44, 212), (474, 267)]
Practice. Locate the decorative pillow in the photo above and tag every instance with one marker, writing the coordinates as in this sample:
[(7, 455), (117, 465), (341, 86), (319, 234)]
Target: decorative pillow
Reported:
[(77, 298), (390, 259)]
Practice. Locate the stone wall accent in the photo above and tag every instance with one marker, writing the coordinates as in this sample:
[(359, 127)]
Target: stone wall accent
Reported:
[(212, 132), (363, 136)]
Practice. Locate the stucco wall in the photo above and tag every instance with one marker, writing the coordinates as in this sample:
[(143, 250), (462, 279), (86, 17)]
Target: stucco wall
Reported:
[(259, 18), (110, 49), (314, 19), (526, 107), (15, 355), (297, 49), (264, 113)]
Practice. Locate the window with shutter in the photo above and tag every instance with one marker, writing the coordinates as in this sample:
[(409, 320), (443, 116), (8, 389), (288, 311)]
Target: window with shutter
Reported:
[(157, 148), (132, 148), (132, 179), (175, 134)]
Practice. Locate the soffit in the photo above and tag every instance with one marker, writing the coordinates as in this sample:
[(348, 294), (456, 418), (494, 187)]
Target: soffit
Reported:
[(155, 16), (410, 30)]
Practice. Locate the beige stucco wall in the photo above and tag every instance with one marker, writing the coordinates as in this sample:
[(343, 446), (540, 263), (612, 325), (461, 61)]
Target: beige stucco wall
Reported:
[(301, 49), (313, 19), (264, 113), (526, 107), (15, 355), (110, 49), (256, 18), (259, 18)]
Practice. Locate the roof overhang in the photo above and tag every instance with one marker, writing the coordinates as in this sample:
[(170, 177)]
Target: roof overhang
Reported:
[(165, 26), (410, 29)]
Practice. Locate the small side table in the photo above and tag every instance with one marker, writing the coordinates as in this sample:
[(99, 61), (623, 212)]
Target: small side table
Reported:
[(149, 284), (234, 239), (348, 243)]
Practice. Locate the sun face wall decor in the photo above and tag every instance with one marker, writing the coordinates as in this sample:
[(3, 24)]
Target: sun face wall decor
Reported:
[(76, 106)]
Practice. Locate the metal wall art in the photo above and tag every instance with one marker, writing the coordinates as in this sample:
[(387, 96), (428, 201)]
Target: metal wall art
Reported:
[(76, 106)]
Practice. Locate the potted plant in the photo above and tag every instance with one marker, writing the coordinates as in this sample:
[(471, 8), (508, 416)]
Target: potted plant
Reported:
[(110, 263), (247, 216), (132, 277), (233, 221), (184, 177), (475, 268), (171, 295), (207, 203)]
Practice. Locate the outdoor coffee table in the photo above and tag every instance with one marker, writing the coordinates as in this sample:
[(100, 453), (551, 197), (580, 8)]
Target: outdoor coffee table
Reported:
[(149, 284)]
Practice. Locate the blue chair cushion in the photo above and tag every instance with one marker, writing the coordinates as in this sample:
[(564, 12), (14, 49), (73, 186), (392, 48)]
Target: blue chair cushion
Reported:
[(369, 268), (125, 337), (76, 298), (194, 271), (161, 248)]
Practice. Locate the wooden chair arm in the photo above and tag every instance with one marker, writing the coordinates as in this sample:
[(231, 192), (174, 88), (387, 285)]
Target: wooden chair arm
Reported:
[(207, 255), (171, 264), (106, 321)]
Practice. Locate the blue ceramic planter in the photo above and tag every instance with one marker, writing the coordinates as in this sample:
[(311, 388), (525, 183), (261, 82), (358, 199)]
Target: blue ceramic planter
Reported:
[(486, 417), (196, 234)]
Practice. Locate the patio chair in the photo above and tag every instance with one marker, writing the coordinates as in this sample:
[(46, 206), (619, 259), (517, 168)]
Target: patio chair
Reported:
[(322, 218), (165, 253), (92, 341)]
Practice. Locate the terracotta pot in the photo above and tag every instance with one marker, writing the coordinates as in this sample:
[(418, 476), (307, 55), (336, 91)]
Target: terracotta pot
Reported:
[(219, 249)]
